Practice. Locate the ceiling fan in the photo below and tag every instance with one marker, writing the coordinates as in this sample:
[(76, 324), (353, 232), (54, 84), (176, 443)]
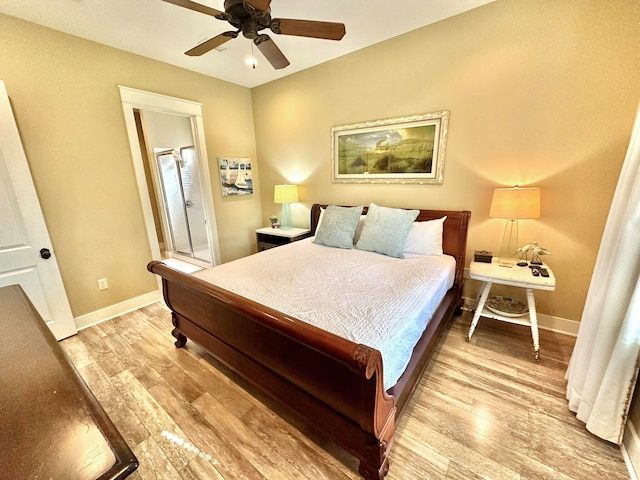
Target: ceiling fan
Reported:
[(249, 17)]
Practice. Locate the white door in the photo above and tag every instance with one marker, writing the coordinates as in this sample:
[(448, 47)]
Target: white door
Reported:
[(26, 255)]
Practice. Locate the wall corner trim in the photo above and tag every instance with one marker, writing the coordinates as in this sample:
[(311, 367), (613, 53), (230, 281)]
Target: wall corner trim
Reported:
[(98, 316), (630, 449)]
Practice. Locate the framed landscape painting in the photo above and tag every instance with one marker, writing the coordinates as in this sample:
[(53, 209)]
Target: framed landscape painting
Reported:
[(396, 150)]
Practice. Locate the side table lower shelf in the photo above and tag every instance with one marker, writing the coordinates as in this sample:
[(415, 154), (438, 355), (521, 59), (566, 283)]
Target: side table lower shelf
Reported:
[(532, 320)]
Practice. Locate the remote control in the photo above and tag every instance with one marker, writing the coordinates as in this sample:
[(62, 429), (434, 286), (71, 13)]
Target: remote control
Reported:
[(544, 272)]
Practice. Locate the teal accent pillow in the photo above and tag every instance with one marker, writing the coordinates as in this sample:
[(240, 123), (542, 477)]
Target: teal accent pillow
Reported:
[(338, 226), (385, 230)]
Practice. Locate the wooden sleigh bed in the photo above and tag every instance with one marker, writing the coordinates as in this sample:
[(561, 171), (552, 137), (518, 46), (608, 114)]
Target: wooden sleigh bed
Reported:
[(332, 384)]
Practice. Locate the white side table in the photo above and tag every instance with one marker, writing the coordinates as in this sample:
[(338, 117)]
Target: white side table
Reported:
[(492, 273)]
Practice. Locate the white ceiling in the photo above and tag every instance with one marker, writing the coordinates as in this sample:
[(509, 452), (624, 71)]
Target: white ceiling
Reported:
[(162, 31)]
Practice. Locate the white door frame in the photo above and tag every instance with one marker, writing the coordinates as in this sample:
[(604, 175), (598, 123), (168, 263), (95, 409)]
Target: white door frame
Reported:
[(133, 99)]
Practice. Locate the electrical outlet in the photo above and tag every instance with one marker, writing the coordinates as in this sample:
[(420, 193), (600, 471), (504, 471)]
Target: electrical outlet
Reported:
[(102, 284)]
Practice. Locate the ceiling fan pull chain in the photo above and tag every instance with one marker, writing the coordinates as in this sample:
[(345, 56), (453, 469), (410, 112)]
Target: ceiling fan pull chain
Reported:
[(253, 57)]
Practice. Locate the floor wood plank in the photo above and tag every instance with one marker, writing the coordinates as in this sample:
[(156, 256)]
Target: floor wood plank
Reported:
[(483, 409)]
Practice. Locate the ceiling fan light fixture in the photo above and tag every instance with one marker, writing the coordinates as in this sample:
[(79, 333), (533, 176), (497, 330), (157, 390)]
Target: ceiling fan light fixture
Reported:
[(251, 61)]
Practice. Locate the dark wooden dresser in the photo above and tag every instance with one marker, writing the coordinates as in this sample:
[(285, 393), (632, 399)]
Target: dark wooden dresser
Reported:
[(51, 425)]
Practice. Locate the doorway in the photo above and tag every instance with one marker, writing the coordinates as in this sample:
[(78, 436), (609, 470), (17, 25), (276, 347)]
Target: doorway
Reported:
[(166, 138)]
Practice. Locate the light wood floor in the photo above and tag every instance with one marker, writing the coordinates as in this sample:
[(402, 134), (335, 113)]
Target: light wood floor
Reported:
[(482, 410)]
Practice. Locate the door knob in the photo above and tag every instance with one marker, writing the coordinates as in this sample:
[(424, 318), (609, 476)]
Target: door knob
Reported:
[(45, 253)]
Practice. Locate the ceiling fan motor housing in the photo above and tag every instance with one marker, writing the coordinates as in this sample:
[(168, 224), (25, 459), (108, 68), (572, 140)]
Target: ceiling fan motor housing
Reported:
[(246, 18)]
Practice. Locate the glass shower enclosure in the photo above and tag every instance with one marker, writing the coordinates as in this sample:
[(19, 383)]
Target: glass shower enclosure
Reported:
[(183, 200)]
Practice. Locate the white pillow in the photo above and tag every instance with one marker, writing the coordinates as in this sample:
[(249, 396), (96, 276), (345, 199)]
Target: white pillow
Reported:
[(320, 218), (356, 236), (425, 238)]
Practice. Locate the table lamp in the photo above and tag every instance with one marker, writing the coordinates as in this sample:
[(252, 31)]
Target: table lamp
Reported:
[(513, 204), (285, 194)]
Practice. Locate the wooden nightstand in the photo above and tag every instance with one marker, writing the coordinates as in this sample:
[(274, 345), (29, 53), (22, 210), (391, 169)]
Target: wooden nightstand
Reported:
[(492, 273), (274, 237)]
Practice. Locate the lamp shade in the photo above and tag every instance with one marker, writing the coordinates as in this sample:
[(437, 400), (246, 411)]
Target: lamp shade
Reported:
[(285, 194), (515, 203)]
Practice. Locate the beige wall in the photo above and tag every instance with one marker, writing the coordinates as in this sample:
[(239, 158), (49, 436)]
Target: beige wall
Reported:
[(540, 94), (67, 105)]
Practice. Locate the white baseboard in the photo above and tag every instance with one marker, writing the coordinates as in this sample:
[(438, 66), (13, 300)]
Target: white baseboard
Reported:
[(92, 318), (559, 325), (630, 449), (545, 322)]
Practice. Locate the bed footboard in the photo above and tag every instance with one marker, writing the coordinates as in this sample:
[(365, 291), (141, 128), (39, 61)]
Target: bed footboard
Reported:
[(333, 384)]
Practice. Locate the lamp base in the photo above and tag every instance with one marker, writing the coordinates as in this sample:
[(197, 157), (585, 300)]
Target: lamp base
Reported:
[(509, 245), (507, 262), (285, 219)]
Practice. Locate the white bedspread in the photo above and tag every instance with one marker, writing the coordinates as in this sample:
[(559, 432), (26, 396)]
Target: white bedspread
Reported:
[(379, 301)]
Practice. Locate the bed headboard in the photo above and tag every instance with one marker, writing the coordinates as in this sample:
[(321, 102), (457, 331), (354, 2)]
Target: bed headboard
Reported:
[(454, 234)]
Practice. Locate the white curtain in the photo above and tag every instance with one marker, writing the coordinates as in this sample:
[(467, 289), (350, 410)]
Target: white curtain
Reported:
[(604, 364)]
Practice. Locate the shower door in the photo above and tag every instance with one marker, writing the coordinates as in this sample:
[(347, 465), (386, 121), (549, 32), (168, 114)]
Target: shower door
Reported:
[(183, 202)]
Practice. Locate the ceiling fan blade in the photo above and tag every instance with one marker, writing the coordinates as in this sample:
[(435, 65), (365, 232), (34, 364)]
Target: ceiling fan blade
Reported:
[(197, 7), (210, 44), (308, 28), (271, 51), (261, 5)]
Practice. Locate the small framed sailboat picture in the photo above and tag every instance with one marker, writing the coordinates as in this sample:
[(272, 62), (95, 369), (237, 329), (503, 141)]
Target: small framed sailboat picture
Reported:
[(235, 176)]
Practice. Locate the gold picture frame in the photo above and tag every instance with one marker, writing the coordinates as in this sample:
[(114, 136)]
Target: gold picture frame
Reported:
[(405, 150)]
